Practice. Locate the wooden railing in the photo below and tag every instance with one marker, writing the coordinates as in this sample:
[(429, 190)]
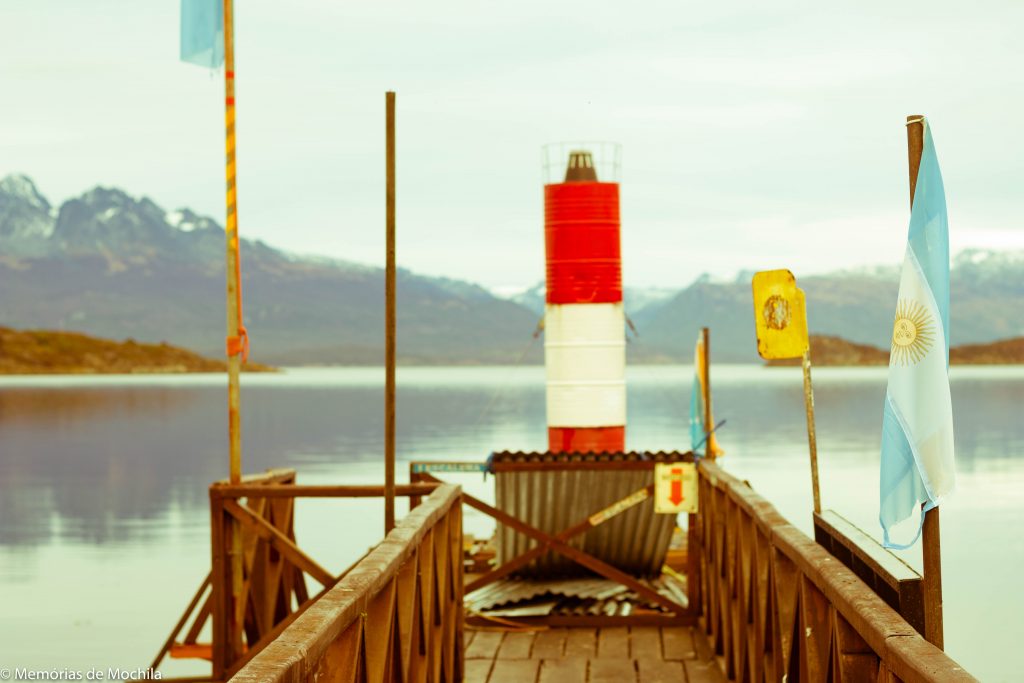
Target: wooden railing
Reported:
[(249, 599), (892, 579), (779, 607), (279, 582), (396, 615)]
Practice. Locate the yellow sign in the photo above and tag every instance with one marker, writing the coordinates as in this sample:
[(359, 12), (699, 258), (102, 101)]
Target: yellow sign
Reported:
[(780, 315), (675, 487)]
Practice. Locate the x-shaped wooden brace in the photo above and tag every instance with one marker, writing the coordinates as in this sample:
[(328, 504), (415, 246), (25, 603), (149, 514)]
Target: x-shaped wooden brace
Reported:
[(557, 543)]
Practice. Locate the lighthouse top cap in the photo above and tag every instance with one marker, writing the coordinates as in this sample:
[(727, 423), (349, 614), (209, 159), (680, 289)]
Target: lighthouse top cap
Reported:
[(581, 161)]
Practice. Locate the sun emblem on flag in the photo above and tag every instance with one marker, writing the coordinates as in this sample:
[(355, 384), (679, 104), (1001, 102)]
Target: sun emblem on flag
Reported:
[(912, 334)]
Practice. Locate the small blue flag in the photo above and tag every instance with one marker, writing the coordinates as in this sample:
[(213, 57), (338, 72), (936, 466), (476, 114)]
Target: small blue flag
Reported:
[(917, 420), (202, 32), (696, 416)]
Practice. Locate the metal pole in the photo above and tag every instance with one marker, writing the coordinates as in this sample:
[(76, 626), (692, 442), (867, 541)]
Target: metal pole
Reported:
[(812, 439), (932, 576), (706, 342), (389, 326), (234, 343)]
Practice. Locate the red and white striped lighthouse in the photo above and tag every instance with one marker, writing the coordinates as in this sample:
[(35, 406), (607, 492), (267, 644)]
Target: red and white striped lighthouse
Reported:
[(584, 324)]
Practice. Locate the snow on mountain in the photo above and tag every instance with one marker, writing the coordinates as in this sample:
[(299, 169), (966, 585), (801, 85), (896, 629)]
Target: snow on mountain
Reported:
[(988, 259), (17, 186), (176, 220), (26, 218), (186, 220)]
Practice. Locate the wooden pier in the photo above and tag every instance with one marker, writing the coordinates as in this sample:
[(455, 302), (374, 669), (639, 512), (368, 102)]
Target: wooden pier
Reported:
[(763, 601), (766, 602)]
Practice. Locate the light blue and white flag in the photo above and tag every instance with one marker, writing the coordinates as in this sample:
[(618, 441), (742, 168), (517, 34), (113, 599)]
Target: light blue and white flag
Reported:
[(917, 422), (202, 32), (697, 436)]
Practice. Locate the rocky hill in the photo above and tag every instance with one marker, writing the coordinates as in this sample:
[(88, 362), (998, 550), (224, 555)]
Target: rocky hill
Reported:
[(38, 352), (831, 351), (828, 350), (1003, 352)]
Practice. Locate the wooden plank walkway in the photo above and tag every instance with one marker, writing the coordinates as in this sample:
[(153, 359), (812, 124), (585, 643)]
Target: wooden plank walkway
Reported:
[(638, 654)]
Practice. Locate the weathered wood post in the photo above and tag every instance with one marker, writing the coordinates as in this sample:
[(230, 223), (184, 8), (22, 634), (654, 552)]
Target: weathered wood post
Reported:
[(236, 341), (389, 325), (932, 575), (694, 546), (221, 611), (812, 438)]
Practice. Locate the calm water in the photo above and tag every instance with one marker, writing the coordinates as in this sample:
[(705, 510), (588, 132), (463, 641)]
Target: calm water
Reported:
[(103, 509)]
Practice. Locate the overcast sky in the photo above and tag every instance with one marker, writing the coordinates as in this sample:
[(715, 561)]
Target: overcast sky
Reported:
[(755, 136)]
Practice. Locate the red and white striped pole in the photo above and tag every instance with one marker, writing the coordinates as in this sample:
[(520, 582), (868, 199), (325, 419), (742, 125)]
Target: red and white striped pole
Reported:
[(584, 323)]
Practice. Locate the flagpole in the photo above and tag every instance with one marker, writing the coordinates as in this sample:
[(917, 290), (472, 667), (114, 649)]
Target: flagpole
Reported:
[(932, 578), (812, 439), (389, 321), (235, 330), (231, 234), (706, 342)]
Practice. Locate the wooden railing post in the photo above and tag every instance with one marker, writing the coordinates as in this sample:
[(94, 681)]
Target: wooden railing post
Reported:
[(694, 551), (220, 577), (414, 478), (460, 582), (694, 537)]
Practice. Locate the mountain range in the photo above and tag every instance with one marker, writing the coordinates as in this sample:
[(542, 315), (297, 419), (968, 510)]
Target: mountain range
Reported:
[(116, 266), (109, 264), (986, 304)]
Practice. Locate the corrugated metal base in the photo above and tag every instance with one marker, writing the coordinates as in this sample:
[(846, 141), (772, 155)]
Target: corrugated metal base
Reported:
[(635, 541)]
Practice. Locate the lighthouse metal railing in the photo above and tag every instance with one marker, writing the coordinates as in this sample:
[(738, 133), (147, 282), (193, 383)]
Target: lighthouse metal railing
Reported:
[(606, 157)]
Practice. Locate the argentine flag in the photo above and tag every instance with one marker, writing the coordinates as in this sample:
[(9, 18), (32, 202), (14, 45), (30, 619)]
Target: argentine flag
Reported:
[(917, 421)]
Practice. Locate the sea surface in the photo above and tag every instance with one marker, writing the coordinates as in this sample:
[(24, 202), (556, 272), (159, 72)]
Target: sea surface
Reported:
[(104, 512)]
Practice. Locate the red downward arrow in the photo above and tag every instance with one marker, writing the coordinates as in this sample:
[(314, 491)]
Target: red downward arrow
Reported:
[(676, 494)]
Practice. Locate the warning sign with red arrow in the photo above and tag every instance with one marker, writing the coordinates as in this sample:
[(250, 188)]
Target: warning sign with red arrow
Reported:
[(675, 487)]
